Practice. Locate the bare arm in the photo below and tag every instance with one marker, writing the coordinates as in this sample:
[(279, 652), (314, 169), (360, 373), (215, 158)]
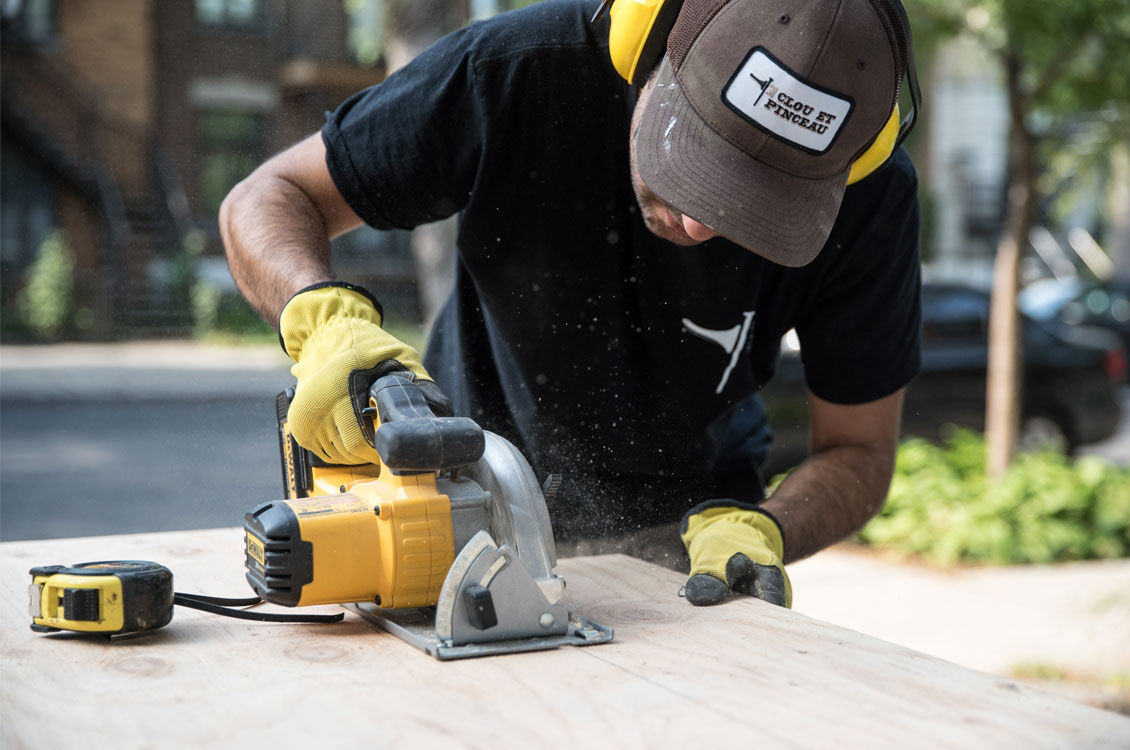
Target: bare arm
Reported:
[(277, 225), (844, 481)]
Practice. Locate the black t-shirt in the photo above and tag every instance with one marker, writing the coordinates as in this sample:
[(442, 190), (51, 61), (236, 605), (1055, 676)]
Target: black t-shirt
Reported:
[(604, 353)]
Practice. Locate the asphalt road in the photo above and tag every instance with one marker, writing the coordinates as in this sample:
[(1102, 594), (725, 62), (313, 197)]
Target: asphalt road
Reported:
[(108, 468), (110, 440)]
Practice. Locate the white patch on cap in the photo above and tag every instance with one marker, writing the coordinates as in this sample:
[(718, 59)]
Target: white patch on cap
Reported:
[(768, 94)]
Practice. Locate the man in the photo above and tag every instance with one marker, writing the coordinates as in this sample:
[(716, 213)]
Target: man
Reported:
[(628, 263)]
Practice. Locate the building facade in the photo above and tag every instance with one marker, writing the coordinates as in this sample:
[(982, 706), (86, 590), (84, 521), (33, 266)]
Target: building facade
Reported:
[(125, 123)]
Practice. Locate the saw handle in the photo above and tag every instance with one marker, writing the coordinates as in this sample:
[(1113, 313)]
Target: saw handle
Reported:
[(410, 437)]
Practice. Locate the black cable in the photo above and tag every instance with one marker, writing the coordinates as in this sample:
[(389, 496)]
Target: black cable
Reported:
[(249, 601), (213, 605)]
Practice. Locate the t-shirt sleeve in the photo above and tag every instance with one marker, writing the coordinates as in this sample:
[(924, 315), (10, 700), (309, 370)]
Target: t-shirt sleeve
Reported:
[(860, 340), (406, 151)]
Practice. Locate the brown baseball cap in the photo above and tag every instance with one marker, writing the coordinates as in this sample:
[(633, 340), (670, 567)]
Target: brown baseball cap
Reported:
[(759, 109)]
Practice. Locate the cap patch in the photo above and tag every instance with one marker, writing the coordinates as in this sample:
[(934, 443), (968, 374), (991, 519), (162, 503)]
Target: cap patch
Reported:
[(776, 100)]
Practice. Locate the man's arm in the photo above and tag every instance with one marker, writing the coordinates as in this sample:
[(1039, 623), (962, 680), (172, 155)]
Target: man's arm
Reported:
[(277, 225), (736, 547), (845, 479)]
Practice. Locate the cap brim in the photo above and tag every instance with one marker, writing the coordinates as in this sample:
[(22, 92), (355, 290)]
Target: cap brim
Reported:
[(779, 216)]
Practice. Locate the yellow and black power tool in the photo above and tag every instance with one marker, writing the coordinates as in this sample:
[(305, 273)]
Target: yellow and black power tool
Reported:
[(445, 543)]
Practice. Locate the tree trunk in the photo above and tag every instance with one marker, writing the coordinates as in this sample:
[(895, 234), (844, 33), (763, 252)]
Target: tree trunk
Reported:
[(1118, 239), (412, 26), (1003, 389)]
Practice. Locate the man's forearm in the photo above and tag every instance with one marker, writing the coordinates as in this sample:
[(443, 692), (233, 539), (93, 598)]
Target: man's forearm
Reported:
[(276, 242), (830, 496)]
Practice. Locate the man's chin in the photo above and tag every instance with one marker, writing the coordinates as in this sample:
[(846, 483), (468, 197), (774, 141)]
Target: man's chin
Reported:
[(684, 241), (664, 231)]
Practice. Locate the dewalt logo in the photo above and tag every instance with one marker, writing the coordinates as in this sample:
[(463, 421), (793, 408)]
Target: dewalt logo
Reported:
[(288, 458), (256, 550)]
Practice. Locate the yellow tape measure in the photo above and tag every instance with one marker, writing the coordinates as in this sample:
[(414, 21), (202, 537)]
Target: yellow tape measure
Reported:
[(114, 597), (108, 597)]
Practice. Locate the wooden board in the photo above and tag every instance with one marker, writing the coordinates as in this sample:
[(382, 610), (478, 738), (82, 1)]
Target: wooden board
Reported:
[(744, 674)]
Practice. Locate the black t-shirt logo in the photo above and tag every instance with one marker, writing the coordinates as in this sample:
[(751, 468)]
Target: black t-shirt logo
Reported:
[(732, 340)]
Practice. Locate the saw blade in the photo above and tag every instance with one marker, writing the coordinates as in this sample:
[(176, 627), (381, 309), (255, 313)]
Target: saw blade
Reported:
[(519, 516)]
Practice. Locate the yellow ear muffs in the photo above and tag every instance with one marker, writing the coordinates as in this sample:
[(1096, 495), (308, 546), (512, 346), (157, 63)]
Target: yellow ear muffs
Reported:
[(637, 34), (878, 152), (637, 41)]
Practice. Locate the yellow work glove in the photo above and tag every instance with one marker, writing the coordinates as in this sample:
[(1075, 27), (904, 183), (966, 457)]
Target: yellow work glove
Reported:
[(734, 547), (333, 333)]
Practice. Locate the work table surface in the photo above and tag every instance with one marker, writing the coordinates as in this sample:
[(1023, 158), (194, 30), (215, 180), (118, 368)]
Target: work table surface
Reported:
[(744, 674)]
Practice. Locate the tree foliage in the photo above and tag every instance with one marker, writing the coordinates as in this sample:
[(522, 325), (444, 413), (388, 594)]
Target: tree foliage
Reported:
[(1047, 508), (1072, 82), (1063, 67), (47, 298), (1071, 52)]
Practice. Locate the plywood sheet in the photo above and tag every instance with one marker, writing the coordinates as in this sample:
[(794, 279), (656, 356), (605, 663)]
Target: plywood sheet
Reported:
[(743, 674)]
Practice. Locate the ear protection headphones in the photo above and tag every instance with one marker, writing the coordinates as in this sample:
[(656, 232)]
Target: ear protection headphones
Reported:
[(637, 41)]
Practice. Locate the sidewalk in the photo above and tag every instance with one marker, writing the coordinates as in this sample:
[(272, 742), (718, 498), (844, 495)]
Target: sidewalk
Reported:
[(141, 370), (1065, 627)]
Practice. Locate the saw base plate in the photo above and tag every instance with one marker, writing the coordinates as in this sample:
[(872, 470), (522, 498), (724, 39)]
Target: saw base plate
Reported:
[(417, 627)]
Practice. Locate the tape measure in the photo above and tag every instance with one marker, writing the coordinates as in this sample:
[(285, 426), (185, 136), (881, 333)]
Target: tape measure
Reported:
[(109, 597), (115, 597)]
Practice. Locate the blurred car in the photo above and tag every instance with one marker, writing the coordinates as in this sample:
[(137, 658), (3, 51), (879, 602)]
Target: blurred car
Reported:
[(1070, 394), (1081, 303)]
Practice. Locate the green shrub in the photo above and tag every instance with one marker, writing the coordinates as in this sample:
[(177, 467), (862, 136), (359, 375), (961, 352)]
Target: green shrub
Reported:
[(205, 309), (226, 316), (1047, 507), (47, 297)]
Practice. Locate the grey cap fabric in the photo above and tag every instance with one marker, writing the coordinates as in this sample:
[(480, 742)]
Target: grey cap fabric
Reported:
[(759, 109)]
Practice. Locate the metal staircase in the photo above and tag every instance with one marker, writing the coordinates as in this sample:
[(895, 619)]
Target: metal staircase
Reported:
[(121, 172)]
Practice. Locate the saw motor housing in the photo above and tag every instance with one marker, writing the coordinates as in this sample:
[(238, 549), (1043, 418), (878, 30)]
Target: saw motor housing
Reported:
[(388, 533)]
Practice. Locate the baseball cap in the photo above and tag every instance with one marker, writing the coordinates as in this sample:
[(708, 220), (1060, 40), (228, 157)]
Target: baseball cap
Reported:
[(759, 109)]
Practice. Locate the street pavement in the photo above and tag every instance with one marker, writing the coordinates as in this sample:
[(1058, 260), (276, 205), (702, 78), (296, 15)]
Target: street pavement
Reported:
[(106, 439), (145, 436)]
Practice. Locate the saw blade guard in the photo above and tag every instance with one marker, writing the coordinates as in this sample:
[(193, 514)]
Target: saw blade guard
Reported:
[(519, 516)]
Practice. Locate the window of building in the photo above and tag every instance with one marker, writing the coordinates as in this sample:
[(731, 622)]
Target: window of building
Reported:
[(27, 210), (29, 21), (231, 145), (230, 12)]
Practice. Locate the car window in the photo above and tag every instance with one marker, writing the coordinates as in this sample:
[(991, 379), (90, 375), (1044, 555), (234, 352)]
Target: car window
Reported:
[(953, 315), (1044, 299)]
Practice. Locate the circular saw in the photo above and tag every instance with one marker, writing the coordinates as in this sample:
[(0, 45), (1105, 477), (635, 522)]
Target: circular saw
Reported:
[(445, 543)]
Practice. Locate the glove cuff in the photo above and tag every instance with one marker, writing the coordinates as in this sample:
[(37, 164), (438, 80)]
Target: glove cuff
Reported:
[(361, 291), (730, 503)]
